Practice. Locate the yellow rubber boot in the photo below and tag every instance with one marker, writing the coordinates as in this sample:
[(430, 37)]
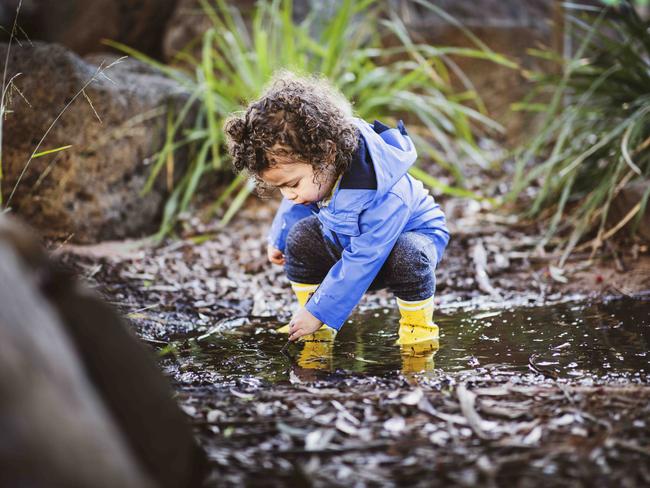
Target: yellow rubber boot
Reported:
[(418, 357), (416, 322), (317, 350), (303, 293)]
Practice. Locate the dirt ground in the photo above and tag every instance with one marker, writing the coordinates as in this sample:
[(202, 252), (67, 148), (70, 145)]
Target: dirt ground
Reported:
[(475, 427)]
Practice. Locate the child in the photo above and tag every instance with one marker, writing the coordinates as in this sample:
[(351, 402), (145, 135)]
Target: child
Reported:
[(352, 218)]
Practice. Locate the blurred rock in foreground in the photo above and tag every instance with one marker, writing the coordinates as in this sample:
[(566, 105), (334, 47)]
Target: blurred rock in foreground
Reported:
[(83, 403)]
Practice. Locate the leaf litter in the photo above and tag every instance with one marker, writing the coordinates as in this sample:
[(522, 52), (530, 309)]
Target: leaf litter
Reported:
[(484, 425)]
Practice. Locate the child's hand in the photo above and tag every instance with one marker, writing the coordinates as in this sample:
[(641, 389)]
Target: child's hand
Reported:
[(275, 255), (303, 323)]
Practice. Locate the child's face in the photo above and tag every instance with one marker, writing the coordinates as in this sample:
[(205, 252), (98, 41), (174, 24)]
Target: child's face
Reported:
[(296, 179)]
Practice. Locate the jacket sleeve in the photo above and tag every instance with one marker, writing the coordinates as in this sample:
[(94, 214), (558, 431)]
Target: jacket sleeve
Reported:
[(287, 215), (352, 275)]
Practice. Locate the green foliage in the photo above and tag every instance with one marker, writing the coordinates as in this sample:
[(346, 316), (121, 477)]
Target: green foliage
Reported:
[(236, 61), (50, 151), (596, 133), (619, 2)]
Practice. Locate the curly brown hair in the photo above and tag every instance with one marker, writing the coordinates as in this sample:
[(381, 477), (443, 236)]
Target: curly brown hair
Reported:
[(302, 117)]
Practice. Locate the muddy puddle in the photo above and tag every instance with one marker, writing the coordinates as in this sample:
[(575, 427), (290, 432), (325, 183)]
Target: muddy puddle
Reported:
[(605, 340)]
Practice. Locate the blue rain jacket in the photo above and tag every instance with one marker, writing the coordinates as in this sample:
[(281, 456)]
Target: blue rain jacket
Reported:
[(374, 202)]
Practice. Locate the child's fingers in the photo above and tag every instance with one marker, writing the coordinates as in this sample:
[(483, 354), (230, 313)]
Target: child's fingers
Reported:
[(274, 253), (276, 258), (294, 331)]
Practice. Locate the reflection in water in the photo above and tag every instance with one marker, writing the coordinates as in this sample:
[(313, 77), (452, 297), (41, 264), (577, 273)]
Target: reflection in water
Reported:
[(317, 349), (317, 353), (419, 357), (568, 340)]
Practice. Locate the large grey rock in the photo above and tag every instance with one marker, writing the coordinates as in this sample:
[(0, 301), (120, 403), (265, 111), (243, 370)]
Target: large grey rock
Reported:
[(530, 14), (186, 25), (188, 22), (81, 25), (82, 403), (90, 191)]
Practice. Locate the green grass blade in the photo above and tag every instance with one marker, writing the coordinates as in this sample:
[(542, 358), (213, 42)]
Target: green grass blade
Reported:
[(51, 151)]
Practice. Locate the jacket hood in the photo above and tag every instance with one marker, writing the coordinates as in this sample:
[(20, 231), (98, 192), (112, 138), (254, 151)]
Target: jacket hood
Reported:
[(392, 152)]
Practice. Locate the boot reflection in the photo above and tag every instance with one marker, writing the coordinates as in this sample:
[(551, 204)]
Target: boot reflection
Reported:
[(418, 357), (317, 349)]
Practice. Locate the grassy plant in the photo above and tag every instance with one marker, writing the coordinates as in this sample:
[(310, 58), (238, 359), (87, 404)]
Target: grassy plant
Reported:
[(618, 2), (7, 85), (596, 133), (235, 62)]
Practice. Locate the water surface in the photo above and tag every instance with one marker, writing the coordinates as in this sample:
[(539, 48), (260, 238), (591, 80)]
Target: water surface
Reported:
[(577, 340)]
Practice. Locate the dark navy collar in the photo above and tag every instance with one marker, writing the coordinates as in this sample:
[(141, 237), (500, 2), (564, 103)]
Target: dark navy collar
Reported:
[(361, 173)]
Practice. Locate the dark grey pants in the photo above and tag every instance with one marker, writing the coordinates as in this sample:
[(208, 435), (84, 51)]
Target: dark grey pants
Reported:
[(409, 270)]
